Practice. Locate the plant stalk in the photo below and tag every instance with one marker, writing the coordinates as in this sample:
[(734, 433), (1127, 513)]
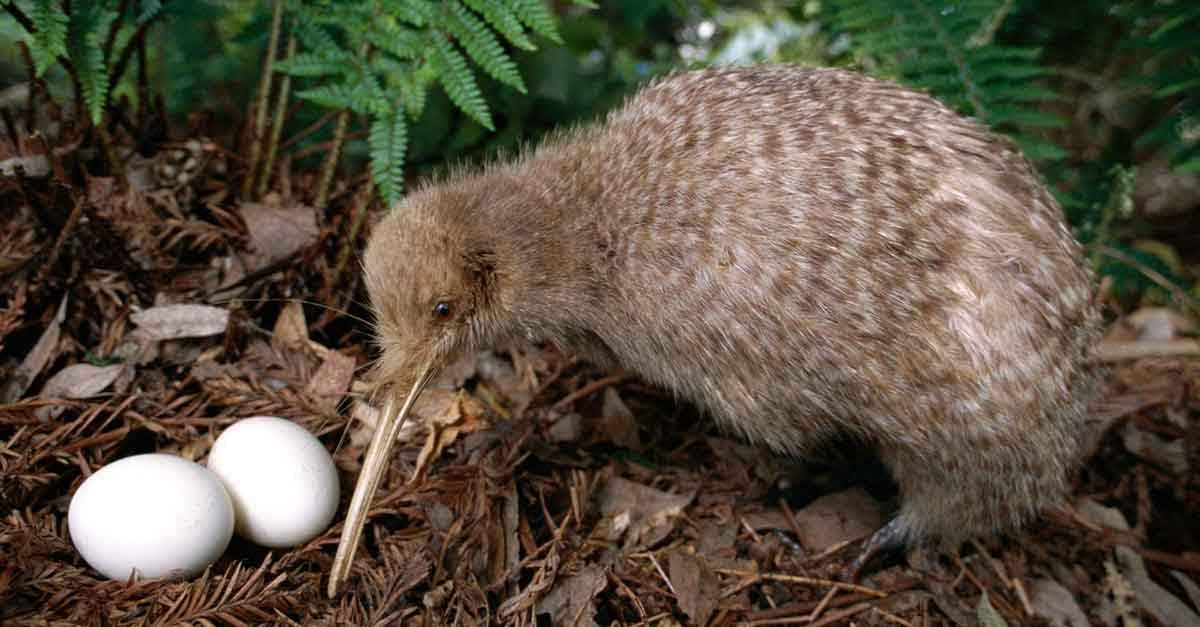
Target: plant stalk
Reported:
[(260, 107), (281, 101)]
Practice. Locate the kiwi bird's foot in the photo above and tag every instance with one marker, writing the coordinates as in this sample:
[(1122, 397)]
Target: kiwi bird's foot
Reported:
[(886, 543)]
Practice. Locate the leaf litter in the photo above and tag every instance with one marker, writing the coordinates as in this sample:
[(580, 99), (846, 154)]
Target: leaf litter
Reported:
[(529, 488)]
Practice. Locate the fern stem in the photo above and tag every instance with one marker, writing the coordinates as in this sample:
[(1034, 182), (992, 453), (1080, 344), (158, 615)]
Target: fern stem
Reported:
[(360, 218), (111, 39), (281, 100), (260, 107), (331, 159), (138, 38), (20, 16)]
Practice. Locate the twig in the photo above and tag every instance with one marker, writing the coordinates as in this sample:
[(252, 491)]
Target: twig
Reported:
[(588, 390), (360, 217), (67, 229), (1126, 351), (260, 106), (812, 581)]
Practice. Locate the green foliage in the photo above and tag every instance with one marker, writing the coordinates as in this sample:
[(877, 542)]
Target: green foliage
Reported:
[(378, 59), (88, 30), (948, 49), (1167, 34), (50, 39)]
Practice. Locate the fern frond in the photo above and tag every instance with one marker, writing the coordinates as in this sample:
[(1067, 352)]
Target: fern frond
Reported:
[(416, 12), (458, 81), (403, 42), (504, 21), (481, 44), (947, 49), (312, 64), (50, 40), (535, 15), (388, 141), (333, 96), (149, 9), (87, 32)]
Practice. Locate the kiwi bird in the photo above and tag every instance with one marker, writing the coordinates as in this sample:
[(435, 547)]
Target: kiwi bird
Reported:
[(801, 253)]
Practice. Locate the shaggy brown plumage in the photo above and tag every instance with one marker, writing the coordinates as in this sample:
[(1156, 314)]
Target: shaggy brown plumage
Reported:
[(800, 252)]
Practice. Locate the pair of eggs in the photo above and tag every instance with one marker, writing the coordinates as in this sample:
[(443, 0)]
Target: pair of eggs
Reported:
[(268, 479)]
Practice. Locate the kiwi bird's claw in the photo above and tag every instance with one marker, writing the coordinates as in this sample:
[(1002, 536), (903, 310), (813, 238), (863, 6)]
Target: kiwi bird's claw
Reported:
[(889, 539)]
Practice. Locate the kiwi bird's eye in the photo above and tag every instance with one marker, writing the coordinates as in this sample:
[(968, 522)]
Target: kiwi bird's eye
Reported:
[(441, 312)]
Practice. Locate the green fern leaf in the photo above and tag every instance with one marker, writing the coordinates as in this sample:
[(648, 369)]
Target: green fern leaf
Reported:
[(458, 81), (388, 141), (403, 42), (50, 39), (415, 12), (310, 64), (477, 39), (315, 38), (87, 32), (150, 9), (337, 96), (504, 21), (537, 17)]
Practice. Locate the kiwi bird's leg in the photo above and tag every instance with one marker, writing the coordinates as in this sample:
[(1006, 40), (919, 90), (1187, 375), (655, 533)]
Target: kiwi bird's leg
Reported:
[(374, 464), (889, 539)]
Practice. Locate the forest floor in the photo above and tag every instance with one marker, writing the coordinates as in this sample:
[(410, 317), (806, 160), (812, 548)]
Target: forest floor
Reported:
[(148, 312)]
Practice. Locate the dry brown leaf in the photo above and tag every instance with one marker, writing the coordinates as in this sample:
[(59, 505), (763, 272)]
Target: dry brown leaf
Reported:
[(1056, 604), (331, 381), (643, 515), (570, 601), (291, 328), (1169, 454), (32, 166), (81, 381), (695, 585), (618, 421), (840, 517), (277, 232), (41, 354), (173, 322)]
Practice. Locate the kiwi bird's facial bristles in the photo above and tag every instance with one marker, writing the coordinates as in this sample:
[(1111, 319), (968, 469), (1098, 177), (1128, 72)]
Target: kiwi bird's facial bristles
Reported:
[(374, 465)]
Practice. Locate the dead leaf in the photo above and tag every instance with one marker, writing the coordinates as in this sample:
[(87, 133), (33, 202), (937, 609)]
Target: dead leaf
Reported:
[(291, 327), (840, 517), (619, 424), (276, 233), (37, 358), (461, 416), (1160, 323), (1052, 601), (695, 584), (331, 381), (643, 515), (1170, 454), (173, 322), (568, 428), (569, 602), (32, 166), (1153, 598), (81, 381)]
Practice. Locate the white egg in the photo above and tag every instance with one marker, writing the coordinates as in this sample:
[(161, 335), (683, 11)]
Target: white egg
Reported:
[(282, 481), (161, 515)]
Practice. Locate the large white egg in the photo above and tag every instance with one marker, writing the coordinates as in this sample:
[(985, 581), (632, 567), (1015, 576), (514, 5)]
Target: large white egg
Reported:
[(282, 481), (161, 515)]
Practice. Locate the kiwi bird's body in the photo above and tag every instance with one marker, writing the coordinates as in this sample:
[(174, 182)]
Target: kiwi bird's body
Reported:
[(801, 253)]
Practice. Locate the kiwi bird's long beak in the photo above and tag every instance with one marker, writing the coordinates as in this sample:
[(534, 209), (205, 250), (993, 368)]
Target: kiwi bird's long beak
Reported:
[(374, 464)]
